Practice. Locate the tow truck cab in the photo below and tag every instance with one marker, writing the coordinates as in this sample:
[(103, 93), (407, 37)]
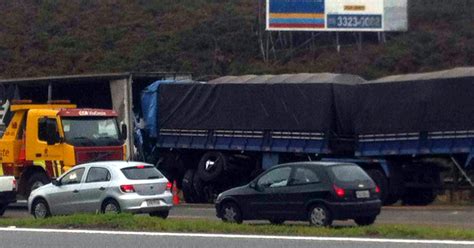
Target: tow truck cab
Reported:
[(44, 140)]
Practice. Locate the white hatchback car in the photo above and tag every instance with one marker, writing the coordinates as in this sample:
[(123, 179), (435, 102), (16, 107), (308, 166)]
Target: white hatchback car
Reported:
[(111, 186)]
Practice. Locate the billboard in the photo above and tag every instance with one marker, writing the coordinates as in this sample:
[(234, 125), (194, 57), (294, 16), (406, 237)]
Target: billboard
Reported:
[(337, 15)]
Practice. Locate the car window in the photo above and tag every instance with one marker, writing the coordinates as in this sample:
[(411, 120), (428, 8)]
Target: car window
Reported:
[(72, 177), (275, 178), (304, 176), (141, 172), (96, 174), (349, 173)]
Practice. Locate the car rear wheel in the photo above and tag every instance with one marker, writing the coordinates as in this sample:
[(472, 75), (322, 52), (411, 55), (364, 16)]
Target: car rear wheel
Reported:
[(110, 206), (40, 209), (231, 213), (276, 221), (161, 214), (319, 216), (365, 221)]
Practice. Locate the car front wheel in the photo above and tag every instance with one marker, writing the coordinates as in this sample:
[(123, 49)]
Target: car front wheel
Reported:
[(161, 214), (319, 216), (40, 209), (365, 221), (231, 213)]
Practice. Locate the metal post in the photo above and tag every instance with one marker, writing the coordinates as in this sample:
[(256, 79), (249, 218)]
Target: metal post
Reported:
[(338, 46), (50, 92)]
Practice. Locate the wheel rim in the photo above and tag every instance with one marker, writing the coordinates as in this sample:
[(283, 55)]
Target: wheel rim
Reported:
[(318, 216), (41, 210), (230, 213), (110, 208)]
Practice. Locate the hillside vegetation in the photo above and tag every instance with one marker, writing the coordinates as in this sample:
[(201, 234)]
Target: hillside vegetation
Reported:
[(216, 37)]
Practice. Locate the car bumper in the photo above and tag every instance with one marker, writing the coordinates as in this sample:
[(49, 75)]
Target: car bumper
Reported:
[(351, 210), (135, 203)]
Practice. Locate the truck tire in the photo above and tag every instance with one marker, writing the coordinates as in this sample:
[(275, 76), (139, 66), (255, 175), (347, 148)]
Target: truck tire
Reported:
[(381, 181), (391, 199), (212, 166), (198, 186), (188, 187), (419, 197), (35, 181), (172, 167), (3, 207)]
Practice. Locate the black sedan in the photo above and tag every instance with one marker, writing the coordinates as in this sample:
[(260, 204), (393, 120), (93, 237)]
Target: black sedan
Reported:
[(319, 192)]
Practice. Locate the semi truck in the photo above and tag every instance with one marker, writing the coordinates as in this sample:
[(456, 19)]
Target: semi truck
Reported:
[(406, 131), (41, 141)]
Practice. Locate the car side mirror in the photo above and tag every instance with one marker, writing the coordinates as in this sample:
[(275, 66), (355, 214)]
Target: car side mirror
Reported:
[(254, 185), (56, 182)]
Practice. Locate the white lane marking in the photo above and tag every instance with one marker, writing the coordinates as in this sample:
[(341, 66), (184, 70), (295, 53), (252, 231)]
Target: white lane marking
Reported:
[(239, 236)]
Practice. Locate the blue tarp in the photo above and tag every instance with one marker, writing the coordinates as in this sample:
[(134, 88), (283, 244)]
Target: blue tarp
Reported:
[(149, 104)]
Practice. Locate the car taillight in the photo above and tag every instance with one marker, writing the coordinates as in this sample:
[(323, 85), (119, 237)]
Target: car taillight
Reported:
[(377, 189), (140, 166), (340, 192), (127, 188), (14, 184), (169, 185)]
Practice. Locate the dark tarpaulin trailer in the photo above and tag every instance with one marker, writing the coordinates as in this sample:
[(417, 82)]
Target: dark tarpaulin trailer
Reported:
[(425, 102), (293, 103)]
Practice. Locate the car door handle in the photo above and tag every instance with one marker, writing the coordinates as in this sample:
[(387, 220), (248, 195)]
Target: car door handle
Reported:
[(102, 188), (75, 191)]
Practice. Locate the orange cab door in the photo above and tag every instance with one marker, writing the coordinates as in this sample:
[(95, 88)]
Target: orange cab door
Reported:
[(43, 142)]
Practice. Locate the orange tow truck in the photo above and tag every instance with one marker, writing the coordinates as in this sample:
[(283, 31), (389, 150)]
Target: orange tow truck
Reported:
[(42, 141)]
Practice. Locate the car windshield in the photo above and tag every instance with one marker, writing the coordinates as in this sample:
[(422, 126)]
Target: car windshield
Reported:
[(141, 172), (349, 173), (91, 131)]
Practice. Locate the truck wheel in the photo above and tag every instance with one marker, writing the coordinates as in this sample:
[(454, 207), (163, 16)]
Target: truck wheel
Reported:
[(188, 187), (211, 166), (35, 181), (198, 186), (419, 197), (3, 207), (381, 181), (391, 199)]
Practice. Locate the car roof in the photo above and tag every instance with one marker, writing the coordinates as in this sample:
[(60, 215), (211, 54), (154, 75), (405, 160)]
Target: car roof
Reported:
[(314, 163), (115, 164)]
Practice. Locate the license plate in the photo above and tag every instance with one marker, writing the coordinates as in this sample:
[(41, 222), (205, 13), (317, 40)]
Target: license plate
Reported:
[(363, 194), (153, 203)]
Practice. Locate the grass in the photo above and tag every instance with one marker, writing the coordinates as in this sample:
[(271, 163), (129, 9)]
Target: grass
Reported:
[(130, 222)]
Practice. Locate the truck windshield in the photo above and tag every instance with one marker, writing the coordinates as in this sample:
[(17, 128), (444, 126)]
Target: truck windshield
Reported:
[(91, 131)]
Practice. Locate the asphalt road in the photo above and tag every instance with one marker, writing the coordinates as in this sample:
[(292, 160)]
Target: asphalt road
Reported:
[(18, 238), (432, 215)]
